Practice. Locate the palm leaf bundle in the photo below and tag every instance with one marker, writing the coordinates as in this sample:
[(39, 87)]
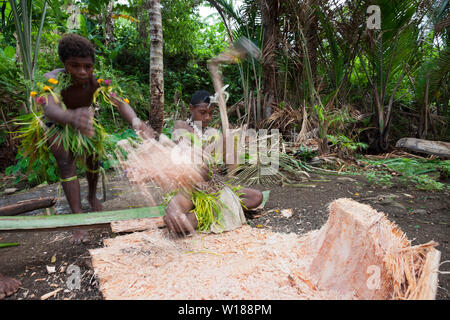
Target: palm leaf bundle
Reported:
[(207, 208), (32, 132), (282, 166)]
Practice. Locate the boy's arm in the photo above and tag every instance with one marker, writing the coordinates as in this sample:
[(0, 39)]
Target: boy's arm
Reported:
[(179, 130), (180, 124), (130, 116), (54, 73), (80, 118)]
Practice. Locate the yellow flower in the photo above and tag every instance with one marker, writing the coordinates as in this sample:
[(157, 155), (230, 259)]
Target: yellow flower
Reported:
[(47, 88), (126, 100), (33, 93), (53, 81), (100, 80)]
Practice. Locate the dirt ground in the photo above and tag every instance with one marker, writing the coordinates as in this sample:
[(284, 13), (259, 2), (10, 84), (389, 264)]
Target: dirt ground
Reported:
[(422, 215)]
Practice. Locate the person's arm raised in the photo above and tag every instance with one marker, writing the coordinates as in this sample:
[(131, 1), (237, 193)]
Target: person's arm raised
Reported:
[(54, 73), (130, 116)]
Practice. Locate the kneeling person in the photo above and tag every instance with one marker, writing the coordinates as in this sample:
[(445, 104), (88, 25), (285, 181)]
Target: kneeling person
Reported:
[(213, 206)]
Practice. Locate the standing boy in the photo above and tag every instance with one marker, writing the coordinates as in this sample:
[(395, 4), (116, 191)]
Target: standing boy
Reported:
[(77, 55)]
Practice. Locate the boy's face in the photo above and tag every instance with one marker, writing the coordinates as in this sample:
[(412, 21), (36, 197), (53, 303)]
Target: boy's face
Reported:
[(202, 112), (80, 68)]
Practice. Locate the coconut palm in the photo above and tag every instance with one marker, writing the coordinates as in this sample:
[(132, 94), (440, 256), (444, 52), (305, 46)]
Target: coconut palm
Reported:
[(432, 77), (389, 52)]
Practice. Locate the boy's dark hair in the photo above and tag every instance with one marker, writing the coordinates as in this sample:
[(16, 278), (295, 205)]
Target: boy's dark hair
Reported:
[(200, 97), (74, 45)]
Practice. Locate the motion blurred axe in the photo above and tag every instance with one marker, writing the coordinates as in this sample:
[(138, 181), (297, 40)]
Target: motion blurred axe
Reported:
[(240, 50)]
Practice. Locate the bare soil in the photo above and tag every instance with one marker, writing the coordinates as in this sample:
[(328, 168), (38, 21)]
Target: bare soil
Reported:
[(422, 215)]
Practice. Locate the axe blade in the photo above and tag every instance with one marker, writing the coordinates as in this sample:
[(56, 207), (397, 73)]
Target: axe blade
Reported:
[(246, 47)]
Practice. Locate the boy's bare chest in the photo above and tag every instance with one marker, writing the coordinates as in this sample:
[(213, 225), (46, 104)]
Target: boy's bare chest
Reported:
[(78, 97)]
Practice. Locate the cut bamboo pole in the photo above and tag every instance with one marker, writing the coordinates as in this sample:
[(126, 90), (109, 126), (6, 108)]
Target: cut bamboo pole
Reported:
[(77, 220)]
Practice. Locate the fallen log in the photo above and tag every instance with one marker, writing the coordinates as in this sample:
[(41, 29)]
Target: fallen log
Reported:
[(41, 223), (27, 205), (438, 148)]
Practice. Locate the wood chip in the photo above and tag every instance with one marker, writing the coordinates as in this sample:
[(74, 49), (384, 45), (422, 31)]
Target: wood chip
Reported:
[(40, 279), (287, 213), (51, 269), (51, 294)]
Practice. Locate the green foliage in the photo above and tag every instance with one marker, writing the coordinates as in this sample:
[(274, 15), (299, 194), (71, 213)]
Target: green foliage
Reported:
[(40, 170), (341, 141), (431, 79), (12, 84), (168, 127), (22, 13), (185, 62), (379, 179), (252, 171), (346, 71), (112, 147), (305, 154), (207, 209), (412, 172)]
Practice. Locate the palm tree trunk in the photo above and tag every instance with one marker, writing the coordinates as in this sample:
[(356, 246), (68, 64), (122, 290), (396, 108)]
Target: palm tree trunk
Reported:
[(109, 25), (156, 67), (311, 28), (270, 15)]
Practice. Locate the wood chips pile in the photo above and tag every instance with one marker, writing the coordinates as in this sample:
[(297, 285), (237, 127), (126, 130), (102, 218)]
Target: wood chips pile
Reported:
[(357, 254)]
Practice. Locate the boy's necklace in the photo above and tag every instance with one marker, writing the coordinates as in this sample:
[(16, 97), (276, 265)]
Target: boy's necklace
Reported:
[(198, 132)]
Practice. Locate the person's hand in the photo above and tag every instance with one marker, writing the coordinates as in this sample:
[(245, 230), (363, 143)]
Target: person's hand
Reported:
[(143, 129), (178, 222), (176, 218), (81, 119), (116, 101)]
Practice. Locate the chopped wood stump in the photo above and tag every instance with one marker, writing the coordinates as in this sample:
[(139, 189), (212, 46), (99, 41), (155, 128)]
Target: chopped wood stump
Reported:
[(357, 254)]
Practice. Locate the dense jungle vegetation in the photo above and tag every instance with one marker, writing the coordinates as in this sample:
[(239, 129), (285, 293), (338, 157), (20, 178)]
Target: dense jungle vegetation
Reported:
[(327, 71)]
